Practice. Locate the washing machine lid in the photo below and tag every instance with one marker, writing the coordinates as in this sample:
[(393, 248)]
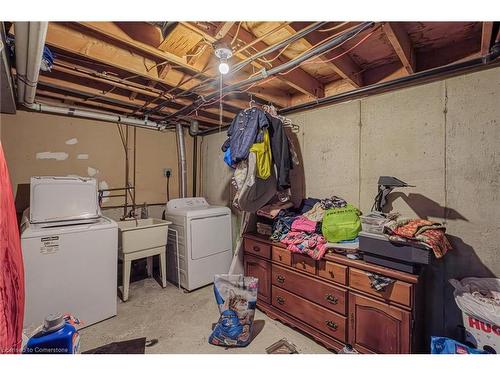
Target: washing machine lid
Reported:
[(194, 207), (35, 230), (63, 198)]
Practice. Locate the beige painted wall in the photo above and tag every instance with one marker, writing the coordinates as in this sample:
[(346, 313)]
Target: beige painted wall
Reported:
[(26, 134), (443, 137)]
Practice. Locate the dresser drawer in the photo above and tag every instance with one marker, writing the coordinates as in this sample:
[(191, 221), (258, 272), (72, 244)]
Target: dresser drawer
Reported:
[(399, 292), (304, 263), (326, 321), (257, 248), (314, 290), (281, 255), (332, 271)]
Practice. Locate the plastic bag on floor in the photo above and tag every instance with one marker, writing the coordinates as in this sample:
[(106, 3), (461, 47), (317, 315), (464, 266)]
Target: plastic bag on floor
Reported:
[(444, 345), (236, 297), (479, 297)]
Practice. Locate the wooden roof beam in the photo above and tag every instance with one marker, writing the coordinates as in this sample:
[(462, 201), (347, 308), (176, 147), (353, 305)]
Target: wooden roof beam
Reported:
[(223, 29), (112, 31), (402, 44), (115, 33), (73, 41), (298, 78), (149, 91), (162, 73), (87, 90), (486, 36), (344, 65)]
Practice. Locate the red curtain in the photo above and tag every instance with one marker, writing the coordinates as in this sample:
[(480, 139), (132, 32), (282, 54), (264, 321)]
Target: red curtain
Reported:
[(11, 268)]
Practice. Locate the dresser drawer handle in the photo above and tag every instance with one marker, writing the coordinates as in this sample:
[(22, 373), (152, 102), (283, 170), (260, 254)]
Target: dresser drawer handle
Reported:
[(280, 300), (280, 279), (331, 325), (280, 257), (332, 275), (303, 264), (332, 299), (256, 248)]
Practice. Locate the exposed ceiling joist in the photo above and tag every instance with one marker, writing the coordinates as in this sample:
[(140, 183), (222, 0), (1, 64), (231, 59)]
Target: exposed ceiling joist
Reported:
[(70, 40), (110, 30), (298, 79), (223, 29), (94, 93), (402, 44), (151, 92), (448, 54), (343, 65)]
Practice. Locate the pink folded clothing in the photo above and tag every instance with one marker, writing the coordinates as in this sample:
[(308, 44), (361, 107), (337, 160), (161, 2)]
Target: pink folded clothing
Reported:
[(312, 244), (302, 224)]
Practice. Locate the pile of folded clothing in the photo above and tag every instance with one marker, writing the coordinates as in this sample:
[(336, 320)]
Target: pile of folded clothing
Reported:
[(300, 229), (419, 231)]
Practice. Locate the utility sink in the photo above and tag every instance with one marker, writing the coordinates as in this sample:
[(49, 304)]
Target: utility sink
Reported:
[(142, 238), (141, 234)]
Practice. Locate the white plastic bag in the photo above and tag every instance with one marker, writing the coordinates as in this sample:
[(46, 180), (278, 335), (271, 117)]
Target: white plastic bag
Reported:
[(471, 305)]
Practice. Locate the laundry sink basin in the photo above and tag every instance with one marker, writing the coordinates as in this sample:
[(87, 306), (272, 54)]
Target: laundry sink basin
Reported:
[(141, 234)]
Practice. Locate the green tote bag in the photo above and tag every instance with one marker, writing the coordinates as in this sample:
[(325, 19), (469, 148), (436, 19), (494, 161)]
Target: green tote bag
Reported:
[(341, 224)]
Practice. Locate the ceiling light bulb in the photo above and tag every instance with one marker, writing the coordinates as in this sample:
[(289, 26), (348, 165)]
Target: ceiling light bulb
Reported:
[(223, 67)]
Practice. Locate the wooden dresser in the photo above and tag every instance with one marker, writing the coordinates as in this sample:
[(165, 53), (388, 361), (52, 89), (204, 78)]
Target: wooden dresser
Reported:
[(332, 299)]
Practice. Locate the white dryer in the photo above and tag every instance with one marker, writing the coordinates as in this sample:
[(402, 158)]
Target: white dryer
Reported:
[(205, 244)]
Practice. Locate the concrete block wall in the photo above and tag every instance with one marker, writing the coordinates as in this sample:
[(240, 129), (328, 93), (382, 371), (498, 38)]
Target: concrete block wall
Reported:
[(442, 137)]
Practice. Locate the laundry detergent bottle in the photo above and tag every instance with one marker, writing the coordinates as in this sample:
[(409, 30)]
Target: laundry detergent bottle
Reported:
[(56, 336)]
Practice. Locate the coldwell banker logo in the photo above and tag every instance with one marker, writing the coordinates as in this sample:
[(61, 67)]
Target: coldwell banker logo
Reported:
[(483, 326)]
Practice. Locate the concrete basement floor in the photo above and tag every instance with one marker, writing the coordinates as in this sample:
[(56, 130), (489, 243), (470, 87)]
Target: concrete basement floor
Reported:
[(182, 323)]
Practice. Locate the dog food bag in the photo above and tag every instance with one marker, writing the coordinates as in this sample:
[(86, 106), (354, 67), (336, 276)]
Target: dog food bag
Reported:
[(236, 296)]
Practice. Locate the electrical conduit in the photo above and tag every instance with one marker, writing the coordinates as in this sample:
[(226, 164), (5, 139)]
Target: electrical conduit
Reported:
[(30, 41)]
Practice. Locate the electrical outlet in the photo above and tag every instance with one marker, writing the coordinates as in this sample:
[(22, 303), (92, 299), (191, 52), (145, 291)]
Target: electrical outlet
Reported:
[(167, 172)]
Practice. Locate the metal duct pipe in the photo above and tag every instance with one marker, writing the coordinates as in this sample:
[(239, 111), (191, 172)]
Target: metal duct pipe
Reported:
[(37, 34), (293, 38), (195, 164), (411, 80), (485, 62), (21, 35), (106, 117), (242, 64), (181, 156), (279, 69)]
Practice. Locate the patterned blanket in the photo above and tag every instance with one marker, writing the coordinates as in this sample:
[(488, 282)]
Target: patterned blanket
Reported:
[(425, 232)]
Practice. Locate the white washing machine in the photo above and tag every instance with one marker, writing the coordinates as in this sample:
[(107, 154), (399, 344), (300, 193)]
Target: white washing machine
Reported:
[(70, 252), (205, 244)]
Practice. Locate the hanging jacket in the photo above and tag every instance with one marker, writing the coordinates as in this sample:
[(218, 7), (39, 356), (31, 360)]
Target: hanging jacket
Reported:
[(280, 149), (264, 158), (246, 129)]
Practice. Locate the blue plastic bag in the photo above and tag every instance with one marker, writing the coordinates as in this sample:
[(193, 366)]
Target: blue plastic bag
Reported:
[(444, 345), (236, 297)]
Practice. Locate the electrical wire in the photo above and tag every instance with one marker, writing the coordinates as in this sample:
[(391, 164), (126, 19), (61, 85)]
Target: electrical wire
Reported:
[(332, 28), (204, 103), (336, 57), (276, 57), (237, 32)]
